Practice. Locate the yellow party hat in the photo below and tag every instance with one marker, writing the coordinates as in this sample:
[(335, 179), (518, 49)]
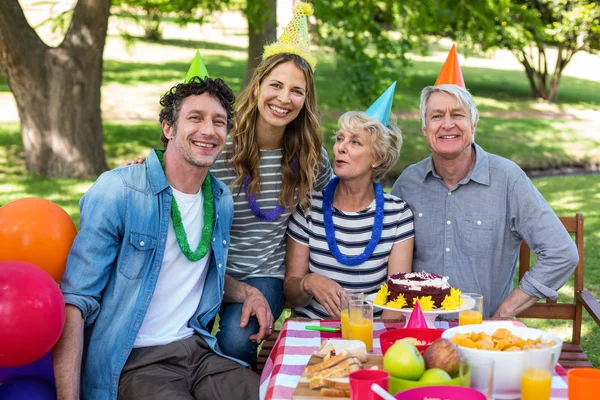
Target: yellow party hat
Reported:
[(294, 39)]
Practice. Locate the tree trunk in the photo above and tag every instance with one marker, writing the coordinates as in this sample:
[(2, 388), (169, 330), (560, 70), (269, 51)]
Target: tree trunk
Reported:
[(57, 90), (262, 29)]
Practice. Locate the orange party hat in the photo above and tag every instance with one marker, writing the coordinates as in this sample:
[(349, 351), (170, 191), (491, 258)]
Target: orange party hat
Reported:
[(451, 74), (416, 319)]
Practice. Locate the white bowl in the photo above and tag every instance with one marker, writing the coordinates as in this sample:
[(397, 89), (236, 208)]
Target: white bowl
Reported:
[(508, 365)]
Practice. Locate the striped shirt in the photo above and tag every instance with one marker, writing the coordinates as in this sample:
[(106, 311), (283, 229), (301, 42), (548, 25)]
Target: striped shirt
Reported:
[(352, 232), (257, 248)]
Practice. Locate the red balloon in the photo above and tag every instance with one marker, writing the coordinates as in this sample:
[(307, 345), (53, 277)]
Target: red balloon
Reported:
[(32, 313), (36, 231)]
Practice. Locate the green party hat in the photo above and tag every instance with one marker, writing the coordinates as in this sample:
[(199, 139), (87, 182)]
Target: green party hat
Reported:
[(197, 68)]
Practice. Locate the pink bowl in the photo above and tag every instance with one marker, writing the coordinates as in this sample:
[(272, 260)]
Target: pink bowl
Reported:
[(443, 392), (426, 335)]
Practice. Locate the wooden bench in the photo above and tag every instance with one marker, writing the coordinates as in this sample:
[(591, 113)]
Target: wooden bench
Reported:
[(572, 355), (268, 344)]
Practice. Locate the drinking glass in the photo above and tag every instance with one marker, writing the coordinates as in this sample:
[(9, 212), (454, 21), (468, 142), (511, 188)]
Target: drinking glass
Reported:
[(361, 322), (474, 315), (482, 376), (536, 381), (361, 381), (345, 298), (583, 383)]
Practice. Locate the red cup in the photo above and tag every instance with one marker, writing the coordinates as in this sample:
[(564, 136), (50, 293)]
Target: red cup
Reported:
[(583, 383), (361, 381)]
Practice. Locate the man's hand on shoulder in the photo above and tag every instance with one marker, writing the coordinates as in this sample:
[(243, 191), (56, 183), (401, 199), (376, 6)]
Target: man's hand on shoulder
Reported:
[(136, 160)]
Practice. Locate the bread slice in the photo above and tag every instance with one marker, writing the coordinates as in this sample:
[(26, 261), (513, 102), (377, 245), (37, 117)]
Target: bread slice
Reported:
[(330, 392), (343, 369), (338, 383), (356, 347)]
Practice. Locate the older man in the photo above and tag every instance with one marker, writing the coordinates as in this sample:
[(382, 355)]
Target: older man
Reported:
[(472, 210)]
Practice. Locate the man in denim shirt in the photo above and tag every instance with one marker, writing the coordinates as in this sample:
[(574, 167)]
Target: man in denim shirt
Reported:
[(472, 210), (145, 275)]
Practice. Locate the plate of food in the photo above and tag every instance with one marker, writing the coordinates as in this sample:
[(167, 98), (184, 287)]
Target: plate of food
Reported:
[(432, 291)]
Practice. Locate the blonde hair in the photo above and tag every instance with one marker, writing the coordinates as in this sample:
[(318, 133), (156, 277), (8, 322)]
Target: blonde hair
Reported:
[(386, 140), (301, 145)]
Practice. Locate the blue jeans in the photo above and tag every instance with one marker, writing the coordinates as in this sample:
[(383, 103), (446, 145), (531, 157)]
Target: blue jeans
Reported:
[(232, 339)]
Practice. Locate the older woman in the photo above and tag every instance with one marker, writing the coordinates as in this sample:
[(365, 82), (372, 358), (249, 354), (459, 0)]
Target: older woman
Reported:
[(354, 235)]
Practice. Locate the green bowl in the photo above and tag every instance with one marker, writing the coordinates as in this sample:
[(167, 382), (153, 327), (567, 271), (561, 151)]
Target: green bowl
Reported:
[(397, 385)]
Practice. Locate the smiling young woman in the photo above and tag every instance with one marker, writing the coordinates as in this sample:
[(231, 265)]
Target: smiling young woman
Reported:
[(272, 162)]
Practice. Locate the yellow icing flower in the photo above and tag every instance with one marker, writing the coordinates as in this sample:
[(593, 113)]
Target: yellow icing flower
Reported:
[(449, 303), (425, 303), (452, 300), (455, 293), (382, 295), (399, 303)]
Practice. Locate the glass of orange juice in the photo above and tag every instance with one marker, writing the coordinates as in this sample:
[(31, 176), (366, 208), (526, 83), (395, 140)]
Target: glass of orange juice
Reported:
[(361, 322), (536, 381), (345, 298), (474, 312)]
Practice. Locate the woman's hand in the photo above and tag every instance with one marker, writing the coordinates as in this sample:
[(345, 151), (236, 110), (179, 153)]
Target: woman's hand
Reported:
[(326, 291), (137, 160)]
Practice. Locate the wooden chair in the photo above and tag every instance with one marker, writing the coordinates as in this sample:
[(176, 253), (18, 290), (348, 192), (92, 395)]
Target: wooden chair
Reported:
[(572, 355)]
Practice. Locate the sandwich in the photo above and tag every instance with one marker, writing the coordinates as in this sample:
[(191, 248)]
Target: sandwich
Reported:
[(356, 347)]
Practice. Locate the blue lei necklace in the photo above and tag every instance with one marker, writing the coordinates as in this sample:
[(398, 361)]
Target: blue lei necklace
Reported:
[(330, 230), (268, 216)]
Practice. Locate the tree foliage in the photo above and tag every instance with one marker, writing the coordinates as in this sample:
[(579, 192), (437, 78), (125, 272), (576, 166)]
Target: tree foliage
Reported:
[(528, 28), (367, 36), (150, 13)]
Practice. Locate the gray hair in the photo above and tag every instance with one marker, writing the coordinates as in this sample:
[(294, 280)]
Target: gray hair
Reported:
[(387, 140), (462, 95)]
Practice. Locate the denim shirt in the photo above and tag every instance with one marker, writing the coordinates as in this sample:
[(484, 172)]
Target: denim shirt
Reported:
[(115, 261)]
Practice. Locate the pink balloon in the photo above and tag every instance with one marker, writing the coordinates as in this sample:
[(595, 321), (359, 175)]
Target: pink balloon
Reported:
[(416, 319), (32, 313)]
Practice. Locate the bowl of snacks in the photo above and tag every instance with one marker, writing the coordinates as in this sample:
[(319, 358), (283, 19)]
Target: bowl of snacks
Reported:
[(441, 392), (508, 346), (420, 337)]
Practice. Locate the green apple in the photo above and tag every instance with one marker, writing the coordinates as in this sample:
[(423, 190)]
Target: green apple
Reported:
[(435, 375), (404, 361)]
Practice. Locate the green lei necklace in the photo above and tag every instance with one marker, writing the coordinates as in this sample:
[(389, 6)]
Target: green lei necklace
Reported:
[(207, 229)]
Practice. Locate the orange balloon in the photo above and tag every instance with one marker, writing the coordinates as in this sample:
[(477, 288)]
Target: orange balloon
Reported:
[(36, 231)]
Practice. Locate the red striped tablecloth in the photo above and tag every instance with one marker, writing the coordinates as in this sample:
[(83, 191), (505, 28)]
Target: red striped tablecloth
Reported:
[(295, 345)]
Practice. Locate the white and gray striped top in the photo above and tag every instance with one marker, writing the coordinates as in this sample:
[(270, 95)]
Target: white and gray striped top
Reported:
[(352, 233), (257, 248)]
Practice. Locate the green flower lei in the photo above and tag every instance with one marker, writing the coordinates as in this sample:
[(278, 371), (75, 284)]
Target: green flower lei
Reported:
[(207, 229)]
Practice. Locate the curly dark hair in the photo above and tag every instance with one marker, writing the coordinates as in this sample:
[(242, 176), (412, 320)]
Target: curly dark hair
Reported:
[(172, 100)]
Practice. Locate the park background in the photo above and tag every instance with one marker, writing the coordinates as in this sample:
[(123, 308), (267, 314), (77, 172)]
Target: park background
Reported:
[(557, 142)]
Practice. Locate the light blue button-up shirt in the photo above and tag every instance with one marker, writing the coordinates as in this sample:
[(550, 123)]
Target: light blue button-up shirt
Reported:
[(115, 261), (472, 232)]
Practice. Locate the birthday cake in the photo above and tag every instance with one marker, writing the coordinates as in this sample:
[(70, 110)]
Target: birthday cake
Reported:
[(431, 290)]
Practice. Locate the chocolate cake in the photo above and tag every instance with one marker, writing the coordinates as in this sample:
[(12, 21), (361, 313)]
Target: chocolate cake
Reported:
[(418, 284)]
